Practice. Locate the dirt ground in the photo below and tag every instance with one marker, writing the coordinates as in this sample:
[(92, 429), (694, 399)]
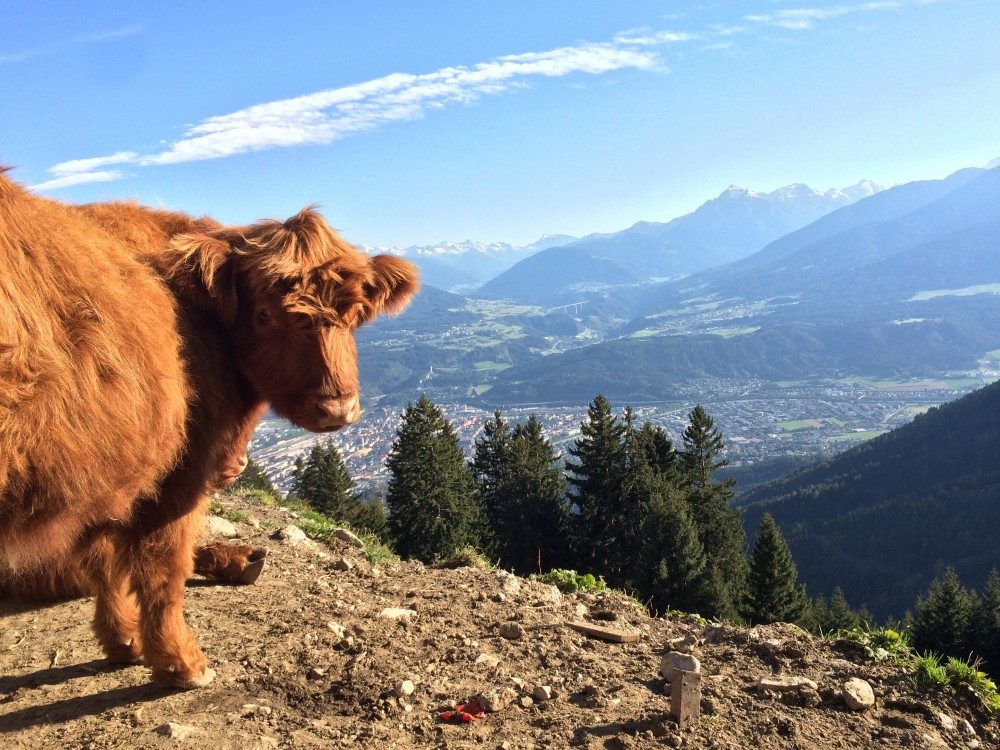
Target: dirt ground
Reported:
[(309, 657)]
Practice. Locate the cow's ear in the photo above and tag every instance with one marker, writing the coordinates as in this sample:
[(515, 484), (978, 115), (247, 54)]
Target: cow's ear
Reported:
[(205, 264), (394, 282)]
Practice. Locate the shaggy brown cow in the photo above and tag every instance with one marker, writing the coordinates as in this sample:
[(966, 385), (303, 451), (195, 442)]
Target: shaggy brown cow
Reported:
[(95, 461)]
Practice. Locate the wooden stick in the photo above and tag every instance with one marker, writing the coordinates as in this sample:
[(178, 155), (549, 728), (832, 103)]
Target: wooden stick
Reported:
[(604, 634)]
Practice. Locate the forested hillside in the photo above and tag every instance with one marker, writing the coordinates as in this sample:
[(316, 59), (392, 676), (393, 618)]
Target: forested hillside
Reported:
[(884, 518)]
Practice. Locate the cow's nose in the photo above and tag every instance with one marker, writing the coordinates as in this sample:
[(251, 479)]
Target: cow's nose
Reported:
[(336, 411)]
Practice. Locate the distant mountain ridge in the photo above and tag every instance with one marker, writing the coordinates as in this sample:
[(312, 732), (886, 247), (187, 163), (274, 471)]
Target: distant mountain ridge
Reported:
[(460, 266), (731, 226)]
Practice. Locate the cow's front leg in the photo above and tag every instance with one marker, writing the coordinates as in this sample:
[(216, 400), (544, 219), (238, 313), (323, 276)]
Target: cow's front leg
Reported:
[(163, 562)]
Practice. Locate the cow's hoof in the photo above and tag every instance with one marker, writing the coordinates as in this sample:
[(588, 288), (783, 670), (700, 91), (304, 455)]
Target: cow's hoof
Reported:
[(169, 678), (251, 572), (124, 653)]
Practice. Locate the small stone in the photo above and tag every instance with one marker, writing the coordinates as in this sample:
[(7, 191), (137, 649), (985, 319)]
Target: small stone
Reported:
[(338, 630), (512, 631), (542, 693), (947, 723), (346, 535), (683, 645), (342, 563), (496, 700), (488, 659), (675, 661), (580, 611), (218, 526), (138, 716), (784, 684), (500, 597), (175, 731), (316, 673), (405, 688), (858, 694), (526, 701), (397, 613), (966, 728), (291, 535)]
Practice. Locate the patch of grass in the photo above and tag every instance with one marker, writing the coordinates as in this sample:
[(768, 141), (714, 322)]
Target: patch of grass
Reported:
[(851, 437), (878, 643), (571, 582), (466, 557), (319, 526), (794, 425), (968, 673), (928, 671)]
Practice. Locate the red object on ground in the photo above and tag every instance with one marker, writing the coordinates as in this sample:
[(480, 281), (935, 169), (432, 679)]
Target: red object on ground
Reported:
[(465, 712)]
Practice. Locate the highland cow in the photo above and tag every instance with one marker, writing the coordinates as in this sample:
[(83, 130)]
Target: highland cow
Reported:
[(136, 348)]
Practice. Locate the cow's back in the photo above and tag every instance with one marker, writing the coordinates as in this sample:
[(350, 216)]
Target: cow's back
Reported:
[(92, 392)]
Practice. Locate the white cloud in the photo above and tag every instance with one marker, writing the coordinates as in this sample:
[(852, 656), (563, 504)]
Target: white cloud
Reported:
[(78, 179), (326, 116), (806, 18), (96, 37)]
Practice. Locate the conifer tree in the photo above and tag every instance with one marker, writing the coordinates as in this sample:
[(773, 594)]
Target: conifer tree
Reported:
[(719, 527), (596, 479), (322, 481), (986, 628), (537, 530), (842, 616), (434, 505), (672, 571), (254, 478), (942, 619), (659, 449), (773, 591), (491, 465)]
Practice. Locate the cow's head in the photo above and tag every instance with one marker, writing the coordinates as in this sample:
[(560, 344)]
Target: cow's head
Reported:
[(292, 294)]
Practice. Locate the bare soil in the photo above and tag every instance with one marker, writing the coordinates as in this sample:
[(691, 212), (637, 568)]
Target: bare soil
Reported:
[(288, 678)]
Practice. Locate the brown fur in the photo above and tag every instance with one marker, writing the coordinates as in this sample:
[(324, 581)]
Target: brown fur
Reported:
[(134, 358)]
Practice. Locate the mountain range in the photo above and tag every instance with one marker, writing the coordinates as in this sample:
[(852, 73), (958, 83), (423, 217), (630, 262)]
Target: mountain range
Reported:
[(731, 226), (902, 283), (463, 266)]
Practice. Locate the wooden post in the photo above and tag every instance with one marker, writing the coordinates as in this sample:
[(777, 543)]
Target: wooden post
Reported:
[(685, 699)]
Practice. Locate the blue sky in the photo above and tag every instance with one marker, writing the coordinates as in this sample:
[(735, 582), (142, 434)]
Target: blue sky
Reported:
[(489, 121)]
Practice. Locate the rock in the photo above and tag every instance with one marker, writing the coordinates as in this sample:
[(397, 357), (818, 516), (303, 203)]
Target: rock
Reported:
[(291, 535), (218, 526), (580, 611), (675, 661), (858, 694), (683, 645), (342, 563), (542, 693), (510, 584), (526, 701), (496, 700), (338, 630), (966, 728), (175, 731), (512, 631), (405, 688), (500, 597), (346, 535), (138, 716), (316, 673), (784, 684), (947, 723), (488, 659), (397, 613)]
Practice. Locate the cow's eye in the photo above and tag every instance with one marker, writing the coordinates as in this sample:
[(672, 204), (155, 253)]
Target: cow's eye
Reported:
[(264, 316)]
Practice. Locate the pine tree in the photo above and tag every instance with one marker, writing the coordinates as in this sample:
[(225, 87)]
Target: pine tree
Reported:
[(536, 532), (659, 449), (773, 592), (254, 478), (491, 465), (322, 481), (942, 619), (672, 569), (986, 629), (719, 527), (596, 479), (842, 616), (434, 505)]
